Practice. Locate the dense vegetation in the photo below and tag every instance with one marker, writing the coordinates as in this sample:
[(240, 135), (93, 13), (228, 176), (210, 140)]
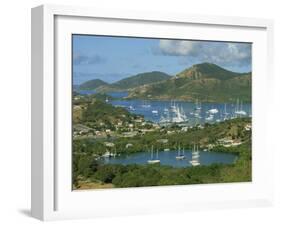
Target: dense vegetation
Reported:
[(205, 82), (99, 113), (87, 168), (141, 79), (233, 129), (87, 99)]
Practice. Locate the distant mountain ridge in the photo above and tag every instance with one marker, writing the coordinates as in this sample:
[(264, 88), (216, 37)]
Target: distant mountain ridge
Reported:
[(126, 83), (206, 82), (134, 81)]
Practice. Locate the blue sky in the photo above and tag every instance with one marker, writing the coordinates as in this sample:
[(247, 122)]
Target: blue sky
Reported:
[(114, 58)]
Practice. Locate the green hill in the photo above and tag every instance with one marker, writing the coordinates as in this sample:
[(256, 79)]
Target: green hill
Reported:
[(92, 84), (205, 82), (141, 79), (99, 114), (135, 81)]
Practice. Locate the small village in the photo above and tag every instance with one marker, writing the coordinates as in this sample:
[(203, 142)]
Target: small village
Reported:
[(138, 127)]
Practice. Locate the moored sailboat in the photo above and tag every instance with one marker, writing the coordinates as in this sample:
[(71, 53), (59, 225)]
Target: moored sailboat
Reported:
[(146, 104), (195, 157), (153, 161), (239, 109), (179, 115), (197, 106), (180, 155)]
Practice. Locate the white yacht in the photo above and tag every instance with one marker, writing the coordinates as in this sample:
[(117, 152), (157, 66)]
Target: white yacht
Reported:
[(225, 113), (146, 104), (197, 105), (173, 106), (195, 157), (179, 115), (180, 155), (213, 111), (239, 109), (153, 161)]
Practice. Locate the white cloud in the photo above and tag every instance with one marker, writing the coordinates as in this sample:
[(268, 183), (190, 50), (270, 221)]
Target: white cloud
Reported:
[(174, 47), (223, 53)]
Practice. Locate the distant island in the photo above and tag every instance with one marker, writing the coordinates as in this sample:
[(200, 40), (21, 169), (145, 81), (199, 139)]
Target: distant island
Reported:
[(205, 82)]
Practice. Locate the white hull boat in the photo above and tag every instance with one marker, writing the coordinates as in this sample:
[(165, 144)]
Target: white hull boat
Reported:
[(180, 157), (151, 160), (195, 157)]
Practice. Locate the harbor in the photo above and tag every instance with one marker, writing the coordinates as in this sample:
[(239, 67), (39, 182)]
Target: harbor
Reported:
[(169, 158), (177, 111)]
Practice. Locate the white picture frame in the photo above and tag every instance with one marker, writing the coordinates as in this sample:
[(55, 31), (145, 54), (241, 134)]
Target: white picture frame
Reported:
[(52, 197)]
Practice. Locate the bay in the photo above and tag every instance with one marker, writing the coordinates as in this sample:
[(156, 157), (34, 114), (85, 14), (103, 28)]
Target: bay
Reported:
[(169, 158)]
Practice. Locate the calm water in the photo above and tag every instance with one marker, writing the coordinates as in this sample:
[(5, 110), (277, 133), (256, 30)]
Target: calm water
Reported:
[(155, 110), (169, 158)]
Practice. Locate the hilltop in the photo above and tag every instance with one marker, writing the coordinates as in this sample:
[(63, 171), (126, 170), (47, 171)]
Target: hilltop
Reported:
[(92, 84), (206, 82), (141, 79), (98, 111), (135, 81)]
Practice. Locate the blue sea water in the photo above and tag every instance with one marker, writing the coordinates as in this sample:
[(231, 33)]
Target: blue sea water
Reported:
[(169, 158), (154, 110)]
